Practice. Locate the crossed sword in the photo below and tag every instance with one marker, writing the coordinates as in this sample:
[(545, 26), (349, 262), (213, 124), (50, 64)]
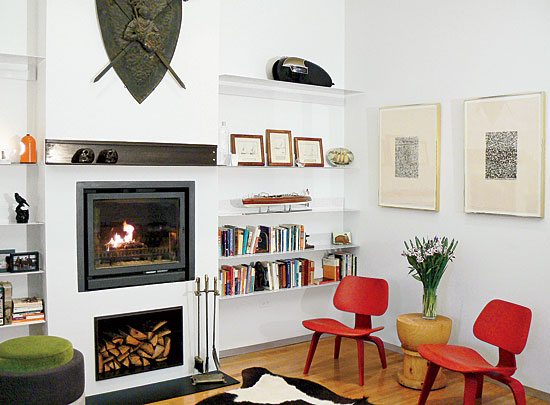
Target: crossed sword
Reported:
[(125, 49)]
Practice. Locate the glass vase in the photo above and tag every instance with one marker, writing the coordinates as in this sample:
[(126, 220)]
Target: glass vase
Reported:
[(429, 303)]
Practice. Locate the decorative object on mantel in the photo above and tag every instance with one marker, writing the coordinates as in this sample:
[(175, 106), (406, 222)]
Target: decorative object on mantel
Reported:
[(299, 70), (265, 200), (62, 152), (4, 259), (504, 155), (309, 152), (28, 149), (22, 213), (249, 148), (260, 386), (4, 160), (279, 147), (340, 157), (140, 38), (409, 156), (428, 260)]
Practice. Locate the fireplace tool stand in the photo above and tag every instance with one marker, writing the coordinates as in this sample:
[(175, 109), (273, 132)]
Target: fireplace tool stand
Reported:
[(215, 376)]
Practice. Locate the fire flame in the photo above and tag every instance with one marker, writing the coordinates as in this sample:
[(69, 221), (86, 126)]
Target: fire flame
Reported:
[(118, 240)]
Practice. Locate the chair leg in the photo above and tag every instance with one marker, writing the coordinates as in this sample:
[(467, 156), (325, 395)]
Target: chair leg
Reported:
[(337, 342), (380, 345), (470, 388), (515, 386), (479, 390), (312, 347), (360, 359), (431, 374)]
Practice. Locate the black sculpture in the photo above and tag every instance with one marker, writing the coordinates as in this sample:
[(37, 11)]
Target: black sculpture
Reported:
[(260, 277), (83, 155), (22, 213), (109, 156)]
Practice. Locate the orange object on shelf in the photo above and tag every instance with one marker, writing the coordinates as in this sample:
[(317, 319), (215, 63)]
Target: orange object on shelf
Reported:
[(28, 155)]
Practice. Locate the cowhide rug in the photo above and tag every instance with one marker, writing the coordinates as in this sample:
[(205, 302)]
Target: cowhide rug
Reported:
[(261, 387)]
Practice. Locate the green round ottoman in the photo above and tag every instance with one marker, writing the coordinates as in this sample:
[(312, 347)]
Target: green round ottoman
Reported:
[(40, 370)]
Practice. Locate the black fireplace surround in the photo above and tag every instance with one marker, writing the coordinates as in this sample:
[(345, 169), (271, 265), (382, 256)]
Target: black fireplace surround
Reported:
[(134, 233)]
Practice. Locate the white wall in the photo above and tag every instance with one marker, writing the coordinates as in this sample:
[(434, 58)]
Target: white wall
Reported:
[(445, 51)]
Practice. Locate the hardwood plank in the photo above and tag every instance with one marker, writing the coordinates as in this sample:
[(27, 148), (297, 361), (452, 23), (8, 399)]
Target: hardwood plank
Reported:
[(341, 375)]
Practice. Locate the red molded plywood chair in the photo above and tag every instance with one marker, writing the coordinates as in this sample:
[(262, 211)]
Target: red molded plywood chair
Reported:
[(364, 297), (502, 324)]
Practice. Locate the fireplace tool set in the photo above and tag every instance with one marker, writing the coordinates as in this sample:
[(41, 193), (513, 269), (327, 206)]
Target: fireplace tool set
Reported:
[(206, 377)]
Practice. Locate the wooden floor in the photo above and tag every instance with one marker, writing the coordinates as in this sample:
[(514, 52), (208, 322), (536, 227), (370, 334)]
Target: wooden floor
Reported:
[(341, 375)]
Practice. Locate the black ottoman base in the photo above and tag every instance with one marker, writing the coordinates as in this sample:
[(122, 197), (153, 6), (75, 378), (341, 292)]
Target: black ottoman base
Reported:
[(57, 386)]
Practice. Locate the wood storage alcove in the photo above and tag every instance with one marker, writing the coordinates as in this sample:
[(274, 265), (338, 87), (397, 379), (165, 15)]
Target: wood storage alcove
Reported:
[(138, 342)]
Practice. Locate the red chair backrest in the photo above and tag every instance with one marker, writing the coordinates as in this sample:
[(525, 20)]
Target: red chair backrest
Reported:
[(504, 324), (362, 295)]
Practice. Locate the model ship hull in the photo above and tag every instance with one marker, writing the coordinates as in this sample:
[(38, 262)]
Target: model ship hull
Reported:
[(276, 200)]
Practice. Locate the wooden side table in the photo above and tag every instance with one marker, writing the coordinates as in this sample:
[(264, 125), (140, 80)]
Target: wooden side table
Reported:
[(413, 331)]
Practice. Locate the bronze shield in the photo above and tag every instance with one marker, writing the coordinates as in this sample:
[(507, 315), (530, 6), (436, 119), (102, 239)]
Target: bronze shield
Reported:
[(136, 35)]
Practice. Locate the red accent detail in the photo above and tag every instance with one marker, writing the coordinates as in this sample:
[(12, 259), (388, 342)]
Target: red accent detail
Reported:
[(500, 323), (364, 297)]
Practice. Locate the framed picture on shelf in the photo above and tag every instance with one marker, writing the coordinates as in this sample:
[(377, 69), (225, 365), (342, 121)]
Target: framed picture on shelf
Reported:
[(279, 147), (504, 155), (341, 238), (4, 257), (23, 262), (409, 156), (309, 152), (249, 149)]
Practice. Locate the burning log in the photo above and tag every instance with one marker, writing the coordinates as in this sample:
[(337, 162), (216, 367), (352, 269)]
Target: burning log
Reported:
[(137, 346)]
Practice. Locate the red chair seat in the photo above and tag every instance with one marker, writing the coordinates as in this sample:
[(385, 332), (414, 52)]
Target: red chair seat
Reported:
[(460, 359), (333, 327)]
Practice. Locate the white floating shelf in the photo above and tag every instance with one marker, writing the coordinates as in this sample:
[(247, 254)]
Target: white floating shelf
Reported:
[(317, 248), (20, 67), (16, 224), (21, 274), (289, 167), (254, 294), (15, 325), (318, 210), (277, 90)]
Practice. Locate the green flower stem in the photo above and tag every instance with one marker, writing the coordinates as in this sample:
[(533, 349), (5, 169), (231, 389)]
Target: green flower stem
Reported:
[(429, 303)]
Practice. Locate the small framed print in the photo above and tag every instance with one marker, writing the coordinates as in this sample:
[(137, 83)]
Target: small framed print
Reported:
[(309, 152), (4, 257), (23, 262), (249, 149), (279, 147), (341, 238)]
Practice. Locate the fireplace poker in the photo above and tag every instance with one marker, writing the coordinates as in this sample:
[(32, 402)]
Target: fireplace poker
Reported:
[(214, 351), (199, 362)]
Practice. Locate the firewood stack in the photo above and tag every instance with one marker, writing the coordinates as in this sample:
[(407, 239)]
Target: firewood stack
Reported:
[(134, 347)]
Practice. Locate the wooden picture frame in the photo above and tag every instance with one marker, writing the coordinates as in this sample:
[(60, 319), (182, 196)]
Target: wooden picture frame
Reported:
[(23, 262), (279, 147), (504, 155), (309, 151), (249, 149), (409, 156)]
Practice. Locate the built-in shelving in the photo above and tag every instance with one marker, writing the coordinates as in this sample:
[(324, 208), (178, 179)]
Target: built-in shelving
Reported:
[(19, 67), (256, 293), (21, 274), (277, 90), (317, 248), (15, 325)]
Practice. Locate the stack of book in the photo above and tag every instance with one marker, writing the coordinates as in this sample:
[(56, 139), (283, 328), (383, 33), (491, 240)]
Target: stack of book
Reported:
[(338, 265), (28, 310), (5, 302), (233, 240), (289, 273)]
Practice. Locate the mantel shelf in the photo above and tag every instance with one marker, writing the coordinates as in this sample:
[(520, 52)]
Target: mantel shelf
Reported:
[(277, 90), (20, 67)]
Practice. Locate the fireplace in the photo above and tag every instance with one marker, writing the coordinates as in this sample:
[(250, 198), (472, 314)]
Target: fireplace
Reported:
[(134, 233), (137, 342)]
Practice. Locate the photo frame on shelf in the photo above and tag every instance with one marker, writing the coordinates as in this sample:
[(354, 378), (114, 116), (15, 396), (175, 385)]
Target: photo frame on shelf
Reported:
[(409, 156), (249, 149), (309, 152), (341, 238), (4, 257), (23, 262), (504, 155), (279, 147)]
